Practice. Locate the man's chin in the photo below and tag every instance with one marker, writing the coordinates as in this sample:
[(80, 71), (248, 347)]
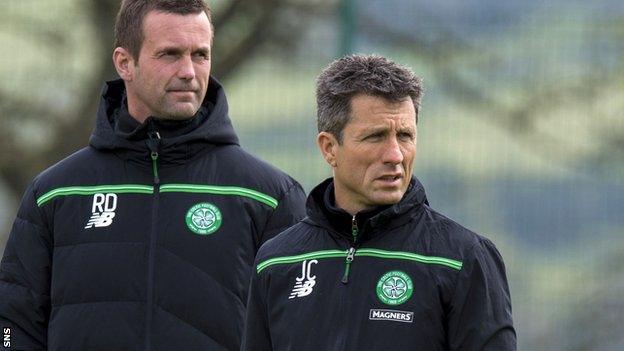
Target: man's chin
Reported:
[(389, 197), (185, 111)]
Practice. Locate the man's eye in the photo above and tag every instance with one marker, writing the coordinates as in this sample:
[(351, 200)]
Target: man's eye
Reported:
[(374, 137), (201, 55), (168, 54), (406, 136)]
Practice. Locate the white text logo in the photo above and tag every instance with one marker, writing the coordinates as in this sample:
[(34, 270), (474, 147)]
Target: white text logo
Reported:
[(103, 209), (391, 315), (305, 283), (7, 338)]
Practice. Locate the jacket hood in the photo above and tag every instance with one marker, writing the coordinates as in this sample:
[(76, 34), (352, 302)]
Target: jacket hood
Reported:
[(321, 211), (115, 130)]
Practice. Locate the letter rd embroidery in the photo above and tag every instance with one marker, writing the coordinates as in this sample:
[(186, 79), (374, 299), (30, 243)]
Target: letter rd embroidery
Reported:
[(103, 210), (304, 284)]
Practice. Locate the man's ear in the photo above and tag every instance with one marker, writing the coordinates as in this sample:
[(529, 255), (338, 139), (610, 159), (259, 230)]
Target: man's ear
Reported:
[(327, 143), (124, 64)]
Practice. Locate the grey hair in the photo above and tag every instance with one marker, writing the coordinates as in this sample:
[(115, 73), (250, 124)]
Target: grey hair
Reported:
[(361, 74)]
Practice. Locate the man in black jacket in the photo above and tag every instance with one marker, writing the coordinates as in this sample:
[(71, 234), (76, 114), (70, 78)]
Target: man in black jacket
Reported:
[(145, 239), (372, 266)]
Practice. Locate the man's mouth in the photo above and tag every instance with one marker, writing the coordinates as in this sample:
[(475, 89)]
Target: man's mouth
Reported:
[(182, 95), (181, 91), (390, 178)]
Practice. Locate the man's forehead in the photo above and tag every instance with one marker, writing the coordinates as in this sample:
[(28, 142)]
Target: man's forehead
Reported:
[(173, 45), (164, 13), (372, 104), (163, 24), (382, 112)]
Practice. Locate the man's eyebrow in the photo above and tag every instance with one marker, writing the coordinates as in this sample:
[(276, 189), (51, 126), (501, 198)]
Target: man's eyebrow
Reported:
[(170, 49), (406, 130), (176, 49), (375, 130), (203, 50)]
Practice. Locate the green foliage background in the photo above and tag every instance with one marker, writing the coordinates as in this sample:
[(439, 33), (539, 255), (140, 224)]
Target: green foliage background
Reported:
[(521, 134)]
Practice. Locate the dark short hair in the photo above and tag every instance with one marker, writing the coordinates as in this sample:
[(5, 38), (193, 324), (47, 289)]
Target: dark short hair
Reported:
[(361, 74), (129, 24)]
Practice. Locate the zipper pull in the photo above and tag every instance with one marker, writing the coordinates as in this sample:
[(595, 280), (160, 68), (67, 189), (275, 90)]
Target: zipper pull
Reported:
[(154, 156), (350, 257), (152, 144)]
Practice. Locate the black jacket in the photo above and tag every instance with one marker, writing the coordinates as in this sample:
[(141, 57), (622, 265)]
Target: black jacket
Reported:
[(144, 240), (416, 281)]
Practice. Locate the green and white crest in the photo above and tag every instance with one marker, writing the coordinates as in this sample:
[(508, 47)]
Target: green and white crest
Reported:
[(203, 218), (394, 288)]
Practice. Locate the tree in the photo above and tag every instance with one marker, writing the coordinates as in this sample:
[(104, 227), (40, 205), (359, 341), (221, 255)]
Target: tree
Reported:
[(49, 115), (243, 28), (543, 104)]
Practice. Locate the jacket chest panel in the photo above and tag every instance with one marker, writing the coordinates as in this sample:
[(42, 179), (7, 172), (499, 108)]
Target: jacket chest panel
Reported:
[(105, 216), (113, 232), (202, 227), (383, 297), (100, 236), (208, 221)]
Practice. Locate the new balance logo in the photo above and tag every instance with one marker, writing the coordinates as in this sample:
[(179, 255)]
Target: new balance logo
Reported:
[(103, 209), (305, 283), (103, 219)]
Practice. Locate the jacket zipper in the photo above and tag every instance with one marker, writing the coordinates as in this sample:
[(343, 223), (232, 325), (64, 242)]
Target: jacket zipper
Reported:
[(154, 156), (152, 143), (351, 252)]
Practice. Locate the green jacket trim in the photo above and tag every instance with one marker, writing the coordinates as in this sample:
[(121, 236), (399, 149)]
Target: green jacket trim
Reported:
[(220, 190), (364, 252), (90, 190), (300, 258), (400, 255), (165, 188)]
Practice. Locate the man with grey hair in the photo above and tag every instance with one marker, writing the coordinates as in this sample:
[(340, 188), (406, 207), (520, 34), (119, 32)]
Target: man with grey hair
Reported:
[(145, 239), (373, 266)]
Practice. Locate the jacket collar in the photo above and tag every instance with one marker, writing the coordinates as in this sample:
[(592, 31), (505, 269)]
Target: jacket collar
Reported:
[(126, 127), (117, 131), (322, 211)]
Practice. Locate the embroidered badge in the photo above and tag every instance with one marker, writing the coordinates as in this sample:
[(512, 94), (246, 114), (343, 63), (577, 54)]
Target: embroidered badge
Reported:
[(394, 288), (203, 218)]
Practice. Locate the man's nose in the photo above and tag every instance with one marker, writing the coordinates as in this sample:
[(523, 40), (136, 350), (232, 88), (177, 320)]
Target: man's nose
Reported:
[(186, 69), (392, 152)]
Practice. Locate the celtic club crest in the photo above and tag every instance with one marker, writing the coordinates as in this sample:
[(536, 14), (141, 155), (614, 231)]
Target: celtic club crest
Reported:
[(394, 288), (203, 218)]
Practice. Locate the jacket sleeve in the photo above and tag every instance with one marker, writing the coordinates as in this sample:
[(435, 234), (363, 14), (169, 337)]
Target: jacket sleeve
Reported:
[(480, 312), (289, 211), (256, 336), (25, 280)]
